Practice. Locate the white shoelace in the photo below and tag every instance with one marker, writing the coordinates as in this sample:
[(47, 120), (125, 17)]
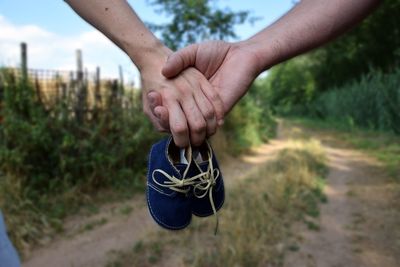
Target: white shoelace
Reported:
[(202, 183)]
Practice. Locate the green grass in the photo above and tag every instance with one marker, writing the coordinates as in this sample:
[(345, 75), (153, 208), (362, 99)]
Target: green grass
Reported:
[(94, 224), (126, 210), (382, 145)]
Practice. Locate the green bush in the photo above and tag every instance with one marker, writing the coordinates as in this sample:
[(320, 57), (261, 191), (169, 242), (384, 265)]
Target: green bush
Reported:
[(373, 102), (50, 163), (249, 123)]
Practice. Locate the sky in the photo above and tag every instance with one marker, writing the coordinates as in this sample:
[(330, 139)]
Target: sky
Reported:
[(53, 32)]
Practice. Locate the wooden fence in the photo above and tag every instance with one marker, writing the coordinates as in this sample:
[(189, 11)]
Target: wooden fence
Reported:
[(84, 91)]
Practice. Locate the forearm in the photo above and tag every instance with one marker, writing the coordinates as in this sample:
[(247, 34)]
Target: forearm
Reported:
[(309, 24), (119, 23)]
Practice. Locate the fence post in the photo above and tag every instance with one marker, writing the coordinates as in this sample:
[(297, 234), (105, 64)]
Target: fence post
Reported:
[(81, 88), (121, 85), (79, 65), (58, 86), (97, 94), (121, 75), (24, 61), (37, 88)]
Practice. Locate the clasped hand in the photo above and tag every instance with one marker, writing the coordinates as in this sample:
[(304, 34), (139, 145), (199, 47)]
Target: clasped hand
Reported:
[(190, 94)]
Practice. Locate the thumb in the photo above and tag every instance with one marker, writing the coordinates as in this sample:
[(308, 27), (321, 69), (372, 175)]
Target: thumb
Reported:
[(179, 61)]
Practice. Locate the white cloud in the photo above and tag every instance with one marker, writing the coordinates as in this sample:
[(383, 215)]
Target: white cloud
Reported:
[(48, 50)]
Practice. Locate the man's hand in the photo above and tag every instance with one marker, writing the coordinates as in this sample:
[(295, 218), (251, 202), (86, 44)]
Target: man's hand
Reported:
[(230, 68)]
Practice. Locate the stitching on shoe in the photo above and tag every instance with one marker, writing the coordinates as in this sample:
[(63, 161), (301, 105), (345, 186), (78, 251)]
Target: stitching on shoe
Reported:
[(148, 174), (159, 190), (148, 200), (149, 161), (161, 222)]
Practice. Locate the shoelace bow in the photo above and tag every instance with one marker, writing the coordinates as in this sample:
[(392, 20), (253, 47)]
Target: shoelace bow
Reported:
[(202, 183)]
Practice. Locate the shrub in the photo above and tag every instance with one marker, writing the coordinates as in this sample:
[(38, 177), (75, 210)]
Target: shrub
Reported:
[(50, 162), (372, 102)]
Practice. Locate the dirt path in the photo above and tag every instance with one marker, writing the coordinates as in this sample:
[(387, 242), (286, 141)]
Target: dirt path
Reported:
[(351, 232), (357, 223), (113, 231)]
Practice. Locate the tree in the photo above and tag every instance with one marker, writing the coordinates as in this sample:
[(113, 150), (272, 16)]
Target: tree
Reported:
[(196, 20)]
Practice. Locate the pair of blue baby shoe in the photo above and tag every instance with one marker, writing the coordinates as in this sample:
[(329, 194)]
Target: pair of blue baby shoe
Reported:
[(181, 183)]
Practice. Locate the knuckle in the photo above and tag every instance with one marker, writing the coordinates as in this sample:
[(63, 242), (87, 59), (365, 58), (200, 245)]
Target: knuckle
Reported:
[(199, 127), (179, 129), (209, 113), (184, 92), (169, 93)]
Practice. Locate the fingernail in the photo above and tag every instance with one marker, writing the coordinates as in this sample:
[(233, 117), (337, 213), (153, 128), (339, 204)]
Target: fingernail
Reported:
[(221, 122)]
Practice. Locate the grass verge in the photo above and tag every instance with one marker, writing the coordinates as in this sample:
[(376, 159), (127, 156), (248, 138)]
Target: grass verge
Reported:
[(384, 146), (255, 222)]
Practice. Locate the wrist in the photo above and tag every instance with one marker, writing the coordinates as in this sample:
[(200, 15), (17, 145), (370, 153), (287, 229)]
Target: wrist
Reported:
[(251, 57), (267, 53), (149, 54)]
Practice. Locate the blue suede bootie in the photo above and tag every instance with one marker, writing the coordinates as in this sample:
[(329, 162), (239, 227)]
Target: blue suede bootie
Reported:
[(179, 184), (208, 192), (167, 189)]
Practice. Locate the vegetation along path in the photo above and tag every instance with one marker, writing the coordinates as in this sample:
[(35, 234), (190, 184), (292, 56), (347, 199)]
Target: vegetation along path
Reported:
[(356, 226)]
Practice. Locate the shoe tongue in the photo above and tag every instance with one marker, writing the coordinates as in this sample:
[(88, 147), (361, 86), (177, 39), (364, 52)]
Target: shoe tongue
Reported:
[(183, 156), (197, 156), (204, 166), (181, 167)]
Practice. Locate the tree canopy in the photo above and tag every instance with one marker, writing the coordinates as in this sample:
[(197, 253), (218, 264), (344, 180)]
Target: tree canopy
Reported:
[(196, 20)]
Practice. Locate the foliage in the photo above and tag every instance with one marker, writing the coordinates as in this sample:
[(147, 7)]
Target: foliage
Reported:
[(371, 47), (372, 102), (196, 20), (374, 43), (50, 163), (248, 124), (382, 145), (288, 86)]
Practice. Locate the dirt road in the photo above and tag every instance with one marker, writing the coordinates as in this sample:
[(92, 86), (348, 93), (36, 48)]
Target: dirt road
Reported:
[(352, 229), (358, 225)]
